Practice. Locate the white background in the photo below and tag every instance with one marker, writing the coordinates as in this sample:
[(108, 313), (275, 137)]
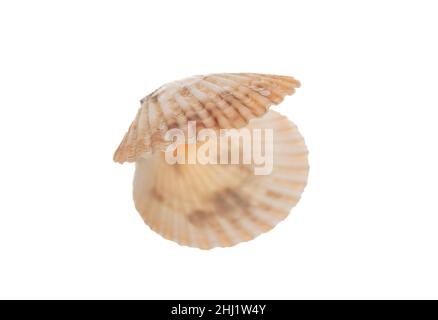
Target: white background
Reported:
[(71, 77)]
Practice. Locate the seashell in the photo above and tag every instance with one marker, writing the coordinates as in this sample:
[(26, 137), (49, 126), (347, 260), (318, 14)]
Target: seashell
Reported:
[(217, 101), (215, 205)]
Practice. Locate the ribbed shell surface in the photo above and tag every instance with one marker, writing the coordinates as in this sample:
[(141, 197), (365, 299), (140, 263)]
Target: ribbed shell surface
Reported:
[(207, 206), (217, 101)]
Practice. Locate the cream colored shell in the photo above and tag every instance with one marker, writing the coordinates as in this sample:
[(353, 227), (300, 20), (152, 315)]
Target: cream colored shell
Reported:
[(226, 100), (207, 206)]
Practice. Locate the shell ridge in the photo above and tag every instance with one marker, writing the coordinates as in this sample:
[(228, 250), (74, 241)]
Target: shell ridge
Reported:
[(224, 118), (256, 107), (242, 112)]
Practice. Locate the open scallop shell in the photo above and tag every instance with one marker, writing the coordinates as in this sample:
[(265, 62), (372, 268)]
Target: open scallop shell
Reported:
[(207, 206), (227, 100)]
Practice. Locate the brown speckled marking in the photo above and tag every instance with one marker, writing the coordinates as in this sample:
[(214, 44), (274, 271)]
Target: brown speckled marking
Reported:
[(230, 210), (199, 218), (157, 195), (241, 202), (185, 92), (220, 202), (172, 124)]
